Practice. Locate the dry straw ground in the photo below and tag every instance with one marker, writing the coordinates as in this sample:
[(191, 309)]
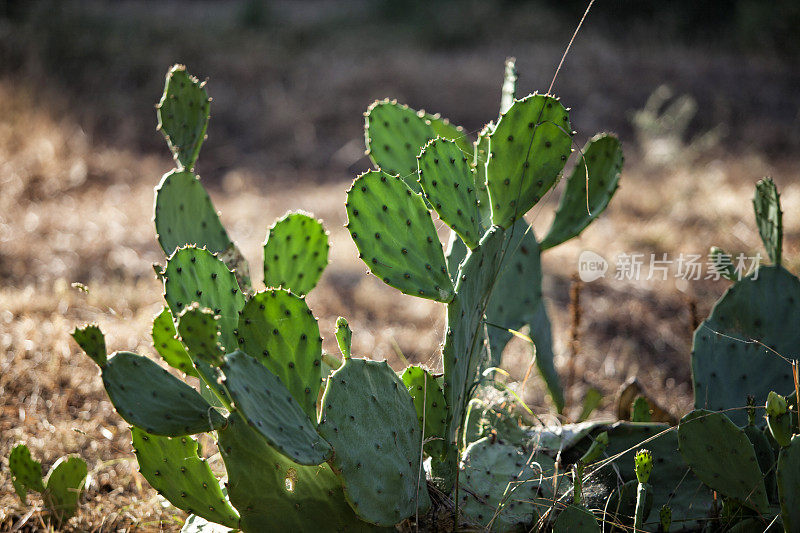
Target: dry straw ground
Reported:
[(79, 158)]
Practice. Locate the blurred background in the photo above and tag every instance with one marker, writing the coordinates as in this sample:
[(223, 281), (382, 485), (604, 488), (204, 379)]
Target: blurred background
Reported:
[(704, 95)]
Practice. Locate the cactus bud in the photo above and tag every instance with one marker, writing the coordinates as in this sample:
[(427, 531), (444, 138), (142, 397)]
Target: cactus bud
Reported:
[(779, 419), (665, 516), (596, 449), (644, 465), (343, 336)]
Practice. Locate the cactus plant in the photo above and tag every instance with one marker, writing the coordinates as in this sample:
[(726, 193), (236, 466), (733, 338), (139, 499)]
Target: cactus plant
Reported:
[(575, 519), (788, 480), (644, 466), (295, 253), (769, 218), (62, 488)]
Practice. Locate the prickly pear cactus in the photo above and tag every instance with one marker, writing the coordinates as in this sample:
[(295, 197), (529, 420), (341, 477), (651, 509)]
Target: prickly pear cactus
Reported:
[(395, 134), (92, 341), (268, 407), (431, 407), (199, 331), (295, 253), (147, 396), (788, 478), (370, 420), (174, 467), (183, 115), (769, 218), (575, 519), (527, 151), (727, 365), (395, 236), (598, 169), (721, 455), (166, 343), (504, 488), (26, 473)]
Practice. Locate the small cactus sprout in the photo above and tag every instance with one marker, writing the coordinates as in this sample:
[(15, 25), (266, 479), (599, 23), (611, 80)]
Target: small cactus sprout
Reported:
[(344, 336), (644, 466), (640, 410), (665, 518), (595, 451), (769, 218), (92, 341), (722, 263), (779, 419)]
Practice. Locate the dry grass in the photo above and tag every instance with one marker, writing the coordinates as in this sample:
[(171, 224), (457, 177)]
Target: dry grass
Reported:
[(73, 208)]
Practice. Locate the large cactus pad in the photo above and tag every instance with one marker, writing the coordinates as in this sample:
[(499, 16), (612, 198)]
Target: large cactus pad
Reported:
[(395, 134), (268, 408), (295, 253), (598, 169), (148, 396), (528, 150), (279, 330), (395, 236), (183, 115), (174, 468), (721, 455), (370, 419), (737, 350), (184, 214)]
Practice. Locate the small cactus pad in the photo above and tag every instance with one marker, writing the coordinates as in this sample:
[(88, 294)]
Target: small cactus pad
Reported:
[(167, 344), (769, 218), (26, 473), (665, 518), (779, 419), (199, 330), (643, 461), (284, 496), (262, 400), (729, 358), (370, 419), (602, 156), (395, 134), (517, 300), (722, 263), (92, 341), (689, 504), (504, 488), (196, 275), (721, 455), (575, 519), (183, 115), (430, 405), (278, 329), (295, 253), (64, 485), (395, 236), (148, 396), (788, 478), (766, 458), (185, 215), (174, 468), (528, 150), (344, 336), (640, 410), (448, 183), (479, 162), (465, 324)]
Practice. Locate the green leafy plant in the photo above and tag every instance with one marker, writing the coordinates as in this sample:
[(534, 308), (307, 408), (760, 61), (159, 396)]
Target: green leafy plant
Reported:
[(61, 489)]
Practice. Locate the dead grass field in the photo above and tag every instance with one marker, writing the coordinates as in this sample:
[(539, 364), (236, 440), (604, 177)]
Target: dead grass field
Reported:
[(77, 171)]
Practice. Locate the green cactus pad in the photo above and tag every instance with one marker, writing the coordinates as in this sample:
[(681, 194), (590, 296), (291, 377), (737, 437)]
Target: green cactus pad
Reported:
[(174, 468), (788, 478), (64, 485), (640, 410), (448, 183), (262, 400), (395, 134), (769, 218), (148, 396), (92, 341), (344, 336), (430, 405), (501, 487), (575, 519), (465, 327), (185, 215), (528, 150), (283, 496), (690, 502), (196, 275), (602, 155), (517, 301), (279, 330), (396, 238), (26, 473), (727, 365), (199, 330), (183, 115), (721, 455), (167, 344), (295, 253), (766, 459), (370, 420)]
